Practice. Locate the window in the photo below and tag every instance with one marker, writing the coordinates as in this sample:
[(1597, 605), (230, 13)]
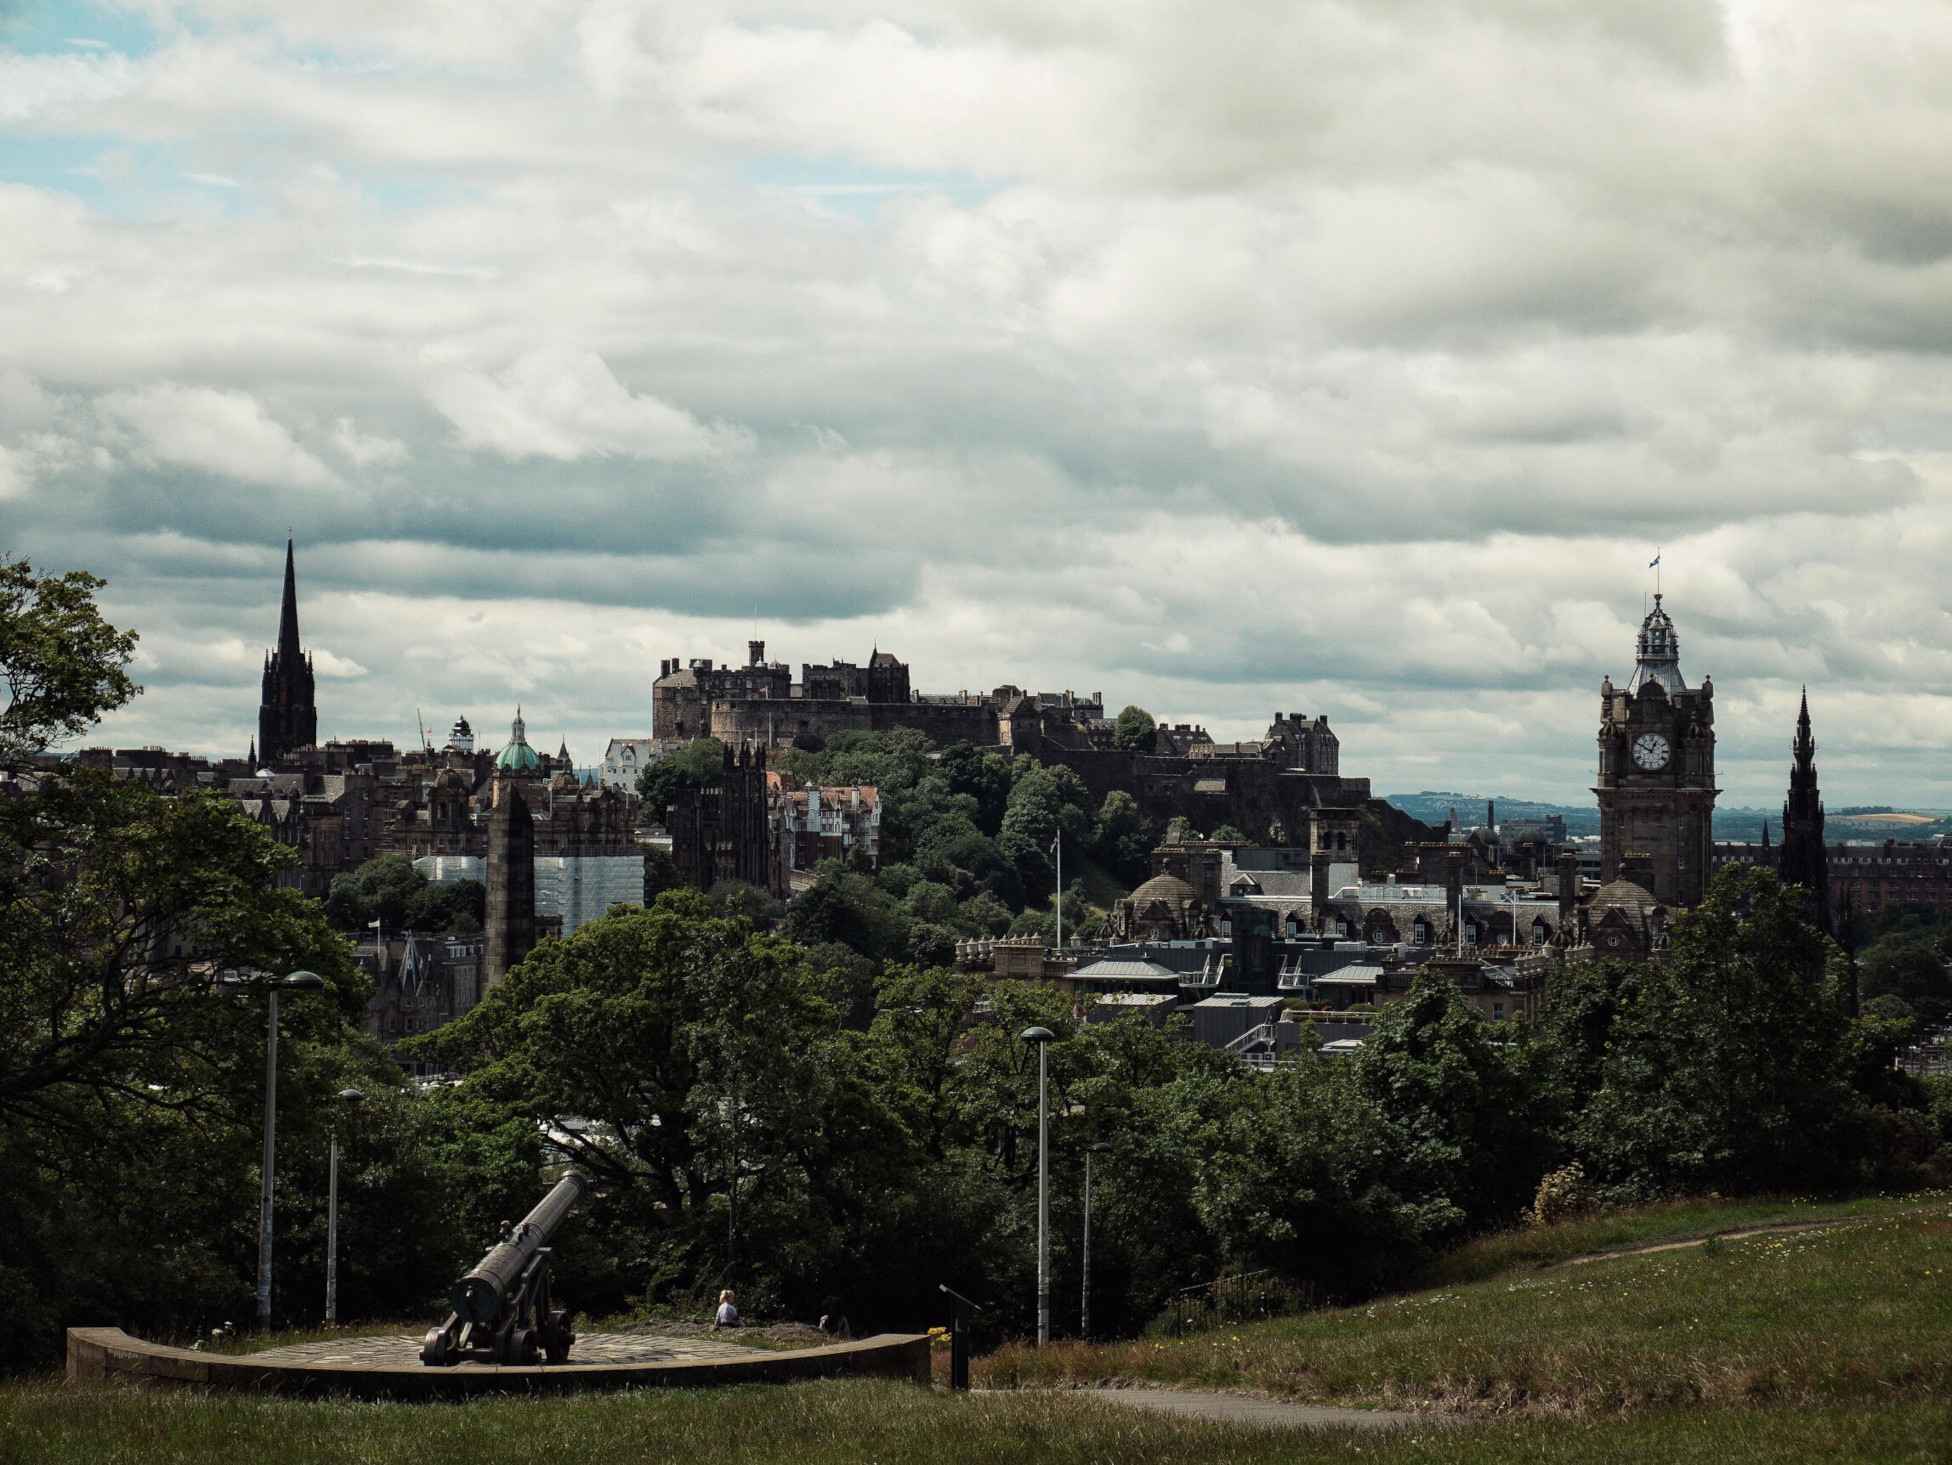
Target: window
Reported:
[(1471, 932), (1497, 1012), (1422, 934), (1538, 933)]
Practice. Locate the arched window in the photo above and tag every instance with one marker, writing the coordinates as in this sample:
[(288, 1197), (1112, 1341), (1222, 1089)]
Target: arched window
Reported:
[(1538, 933), (1471, 933), (1422, 932)]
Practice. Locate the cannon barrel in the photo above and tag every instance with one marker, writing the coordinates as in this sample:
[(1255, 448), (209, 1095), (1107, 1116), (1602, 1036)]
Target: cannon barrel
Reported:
[(478, 1296)]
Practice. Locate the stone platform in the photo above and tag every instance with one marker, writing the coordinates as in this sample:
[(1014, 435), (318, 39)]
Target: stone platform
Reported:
[(389, 1366), (402, 1350)]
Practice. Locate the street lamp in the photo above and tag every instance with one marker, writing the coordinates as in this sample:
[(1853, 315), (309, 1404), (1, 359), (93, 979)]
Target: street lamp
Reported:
[(271, 986), (1084, 1316), (1042, 1038), (346, 1096)]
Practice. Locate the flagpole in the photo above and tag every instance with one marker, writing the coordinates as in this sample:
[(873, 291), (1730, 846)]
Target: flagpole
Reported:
[(1059, 902)]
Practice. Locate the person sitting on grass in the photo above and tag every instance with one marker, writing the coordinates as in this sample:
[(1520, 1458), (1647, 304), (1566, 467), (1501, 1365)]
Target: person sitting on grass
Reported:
[(728, 1315)]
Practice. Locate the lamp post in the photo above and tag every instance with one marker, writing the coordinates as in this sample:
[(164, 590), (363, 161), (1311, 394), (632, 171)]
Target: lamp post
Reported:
[(271, 986), (1084, 1315), (1042, 1038), (346, 1096)]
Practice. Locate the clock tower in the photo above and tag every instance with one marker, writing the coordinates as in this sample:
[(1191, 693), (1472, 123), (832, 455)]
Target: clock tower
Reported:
[(1657, 769)]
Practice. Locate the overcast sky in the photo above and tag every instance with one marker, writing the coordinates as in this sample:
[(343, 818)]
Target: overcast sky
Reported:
[(1221, 357)]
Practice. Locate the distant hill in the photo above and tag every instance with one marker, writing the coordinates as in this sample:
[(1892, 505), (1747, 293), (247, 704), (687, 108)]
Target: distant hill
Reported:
[(1732, 825)]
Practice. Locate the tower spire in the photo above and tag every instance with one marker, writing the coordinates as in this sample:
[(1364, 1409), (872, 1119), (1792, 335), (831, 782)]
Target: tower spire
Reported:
[(288, 614)]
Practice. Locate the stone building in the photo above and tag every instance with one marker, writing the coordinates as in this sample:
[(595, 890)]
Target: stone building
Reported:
[(811, 824), (722, 832), (420, 982), (288, 715), (1656, 786)]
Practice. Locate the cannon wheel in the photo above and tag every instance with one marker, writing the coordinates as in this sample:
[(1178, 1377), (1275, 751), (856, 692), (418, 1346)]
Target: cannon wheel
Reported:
[(557, 1338)]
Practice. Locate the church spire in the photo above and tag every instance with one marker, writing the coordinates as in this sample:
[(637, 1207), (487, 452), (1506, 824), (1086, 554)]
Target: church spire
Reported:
[(288, 718), (288, 615)]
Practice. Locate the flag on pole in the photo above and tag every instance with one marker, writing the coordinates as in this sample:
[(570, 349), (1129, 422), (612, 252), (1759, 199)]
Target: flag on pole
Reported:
[(372, 925), (1654, 561)]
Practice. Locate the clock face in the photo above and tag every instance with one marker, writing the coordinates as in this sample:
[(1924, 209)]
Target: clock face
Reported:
[(1650, 751)]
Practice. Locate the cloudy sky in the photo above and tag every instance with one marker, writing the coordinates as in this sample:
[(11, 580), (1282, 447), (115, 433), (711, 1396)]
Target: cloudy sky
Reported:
[(1221, 356)]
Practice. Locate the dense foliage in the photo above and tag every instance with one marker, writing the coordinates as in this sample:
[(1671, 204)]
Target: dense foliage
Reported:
[(134, 934), (390, 891), (967, 849)]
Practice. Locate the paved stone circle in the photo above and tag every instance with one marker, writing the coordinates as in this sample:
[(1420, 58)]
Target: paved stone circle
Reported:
[(402, 1350)]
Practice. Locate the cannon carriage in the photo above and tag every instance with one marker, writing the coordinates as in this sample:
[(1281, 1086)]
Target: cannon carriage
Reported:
[(503, 1311)]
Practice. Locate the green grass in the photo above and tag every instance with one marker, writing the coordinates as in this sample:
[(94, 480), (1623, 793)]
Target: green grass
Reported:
[(1812, 1318), (1537, 1246), (872, 1421)]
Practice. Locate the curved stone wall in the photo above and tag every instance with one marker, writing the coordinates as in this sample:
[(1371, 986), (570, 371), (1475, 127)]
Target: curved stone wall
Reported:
[(110, 1353)]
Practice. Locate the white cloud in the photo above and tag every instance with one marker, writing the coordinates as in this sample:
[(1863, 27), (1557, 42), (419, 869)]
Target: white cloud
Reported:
[(564, 402), (33, 85), (338, 668), (363, 450), (221, 432), (1337, 356)]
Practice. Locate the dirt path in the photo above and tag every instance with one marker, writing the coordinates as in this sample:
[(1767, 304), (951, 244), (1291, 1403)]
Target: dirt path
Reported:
[(1738, 1235), (1263, 1413)]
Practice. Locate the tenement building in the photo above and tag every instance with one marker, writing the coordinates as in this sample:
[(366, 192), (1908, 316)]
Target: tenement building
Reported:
[(1657, 769)]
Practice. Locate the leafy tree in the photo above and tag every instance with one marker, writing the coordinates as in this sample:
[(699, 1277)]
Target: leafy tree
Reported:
[(1125, 838), (736, 898), (1134, 731), (660, 871), (1470, 1100), (696, 765), (1911, 966), (849, 908), (1043, 801), (1724, 1067), (1231, 832), (1180, 830), (62, 663), (982, 776), (390, 890), (730, 1137)]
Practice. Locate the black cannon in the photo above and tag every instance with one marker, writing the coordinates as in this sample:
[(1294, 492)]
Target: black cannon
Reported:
[(501, 1309)]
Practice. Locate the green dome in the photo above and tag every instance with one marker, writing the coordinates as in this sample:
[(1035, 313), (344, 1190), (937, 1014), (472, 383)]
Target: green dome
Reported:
[(518, 756)]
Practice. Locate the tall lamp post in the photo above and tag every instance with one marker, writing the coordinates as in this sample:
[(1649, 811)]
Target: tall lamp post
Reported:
[(1084, 1315), (346, 1096), (271, 987), (1042, 1038)]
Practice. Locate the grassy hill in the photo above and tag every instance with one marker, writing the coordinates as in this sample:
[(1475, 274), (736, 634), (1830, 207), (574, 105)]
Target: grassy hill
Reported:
[(1818, 1344), (1855, 1310)]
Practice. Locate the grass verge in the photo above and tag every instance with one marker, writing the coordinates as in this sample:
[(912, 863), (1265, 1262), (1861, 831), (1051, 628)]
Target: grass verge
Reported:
[(1538, 1246), (843, 1423), (1809, 1318)]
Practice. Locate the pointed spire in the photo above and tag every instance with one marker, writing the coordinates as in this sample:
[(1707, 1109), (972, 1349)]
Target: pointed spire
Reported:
[(252, 757), (288, 615)]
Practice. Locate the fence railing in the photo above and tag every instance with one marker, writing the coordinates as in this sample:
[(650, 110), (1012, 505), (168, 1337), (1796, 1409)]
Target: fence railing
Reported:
[(1242, 1298)]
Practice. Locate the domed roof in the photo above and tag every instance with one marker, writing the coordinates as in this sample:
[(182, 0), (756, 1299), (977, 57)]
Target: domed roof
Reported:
[(450, 778), (1163, 887), (518, 756)]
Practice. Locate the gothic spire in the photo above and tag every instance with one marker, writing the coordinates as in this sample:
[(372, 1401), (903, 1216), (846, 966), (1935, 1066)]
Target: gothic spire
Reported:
[(288, 616), (1805, 744)]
